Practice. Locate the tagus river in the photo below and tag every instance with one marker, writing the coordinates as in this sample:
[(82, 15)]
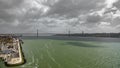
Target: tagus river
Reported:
[(70, 53)]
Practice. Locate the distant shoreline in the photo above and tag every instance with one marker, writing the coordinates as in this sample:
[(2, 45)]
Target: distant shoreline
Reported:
[(76, 38), (107, 35)]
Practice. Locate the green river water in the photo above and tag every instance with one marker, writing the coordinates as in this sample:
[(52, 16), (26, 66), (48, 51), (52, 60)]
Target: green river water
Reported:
[(47, 53)]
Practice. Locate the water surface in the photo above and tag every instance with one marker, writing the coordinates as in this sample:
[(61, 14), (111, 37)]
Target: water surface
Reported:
[(57, 53)]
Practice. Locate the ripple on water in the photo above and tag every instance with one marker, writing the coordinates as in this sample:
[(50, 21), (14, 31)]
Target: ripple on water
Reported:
[(52, 58)]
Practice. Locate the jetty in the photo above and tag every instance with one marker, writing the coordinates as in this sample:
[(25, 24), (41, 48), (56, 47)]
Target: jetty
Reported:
[(11, 50)]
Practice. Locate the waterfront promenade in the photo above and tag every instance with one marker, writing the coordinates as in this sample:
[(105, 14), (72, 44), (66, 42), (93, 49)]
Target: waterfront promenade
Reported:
[(11, 51), (18, 59)]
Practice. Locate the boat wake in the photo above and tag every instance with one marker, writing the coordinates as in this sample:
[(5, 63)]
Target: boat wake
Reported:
[(33, 63), (51, 57)]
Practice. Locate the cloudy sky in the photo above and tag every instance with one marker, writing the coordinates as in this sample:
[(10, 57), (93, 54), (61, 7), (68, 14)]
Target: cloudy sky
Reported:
[(59, 16)]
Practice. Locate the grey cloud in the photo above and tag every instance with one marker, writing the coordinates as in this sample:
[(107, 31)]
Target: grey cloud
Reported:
[(73, 7), (6, 17), (116, 21), (93, 18), (90, 20), (110, 10), (9, 28), (6, 4), (117, 4), (19, 16)]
